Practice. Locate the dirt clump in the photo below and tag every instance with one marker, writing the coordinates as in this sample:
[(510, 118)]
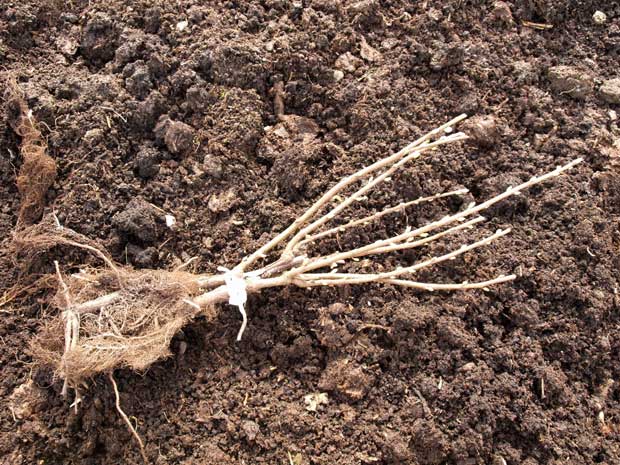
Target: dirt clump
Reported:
[(501, 14), (610, 91), (233, 120), (145, 114), (484, 131), (26, 400), (237, 65), (147, 161), (99, 39), (346, 379), (177, 136), (139, 220), (291, 147)]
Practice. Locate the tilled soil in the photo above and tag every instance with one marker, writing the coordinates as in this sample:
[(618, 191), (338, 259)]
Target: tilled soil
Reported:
[(233, 116)]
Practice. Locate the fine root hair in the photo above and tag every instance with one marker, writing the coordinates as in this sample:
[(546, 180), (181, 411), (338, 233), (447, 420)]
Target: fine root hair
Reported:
[(38, 170), (132, 332)]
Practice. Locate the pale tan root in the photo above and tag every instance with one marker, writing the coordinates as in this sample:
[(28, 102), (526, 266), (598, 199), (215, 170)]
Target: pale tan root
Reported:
[(126, 419)]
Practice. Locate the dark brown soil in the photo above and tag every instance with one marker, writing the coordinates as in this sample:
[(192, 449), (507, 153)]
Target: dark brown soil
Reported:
[(145, 117)]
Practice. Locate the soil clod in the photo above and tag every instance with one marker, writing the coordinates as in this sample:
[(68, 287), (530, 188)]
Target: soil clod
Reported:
[(138, 219), (610, 91)]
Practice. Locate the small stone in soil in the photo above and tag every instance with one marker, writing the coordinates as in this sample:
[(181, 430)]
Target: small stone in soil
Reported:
[(599, 17), (368, 53), (93, 137), (482, 130), (501, 13), (250, 429), (313, 401), (219, 203), (524, 72), (571, 81), (610, 91), (212, 166), (348, 62)]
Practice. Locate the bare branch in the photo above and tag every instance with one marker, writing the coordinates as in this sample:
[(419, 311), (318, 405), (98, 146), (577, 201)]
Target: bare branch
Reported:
[(451, 287), (291, 247), (342, 279), (370, 218), (384, 246), (330, 194), (322, 279), (447, 220)]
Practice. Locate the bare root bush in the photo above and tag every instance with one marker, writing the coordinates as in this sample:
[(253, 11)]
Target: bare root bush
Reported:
[(113, 316)]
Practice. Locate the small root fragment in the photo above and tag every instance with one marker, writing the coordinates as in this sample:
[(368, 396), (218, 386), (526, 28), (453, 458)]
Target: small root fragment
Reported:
[(126, 419), (38, 170), (30, 242), (22, 291)]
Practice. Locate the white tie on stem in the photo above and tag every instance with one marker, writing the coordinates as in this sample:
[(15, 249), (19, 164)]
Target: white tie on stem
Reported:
[(237, 294)]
